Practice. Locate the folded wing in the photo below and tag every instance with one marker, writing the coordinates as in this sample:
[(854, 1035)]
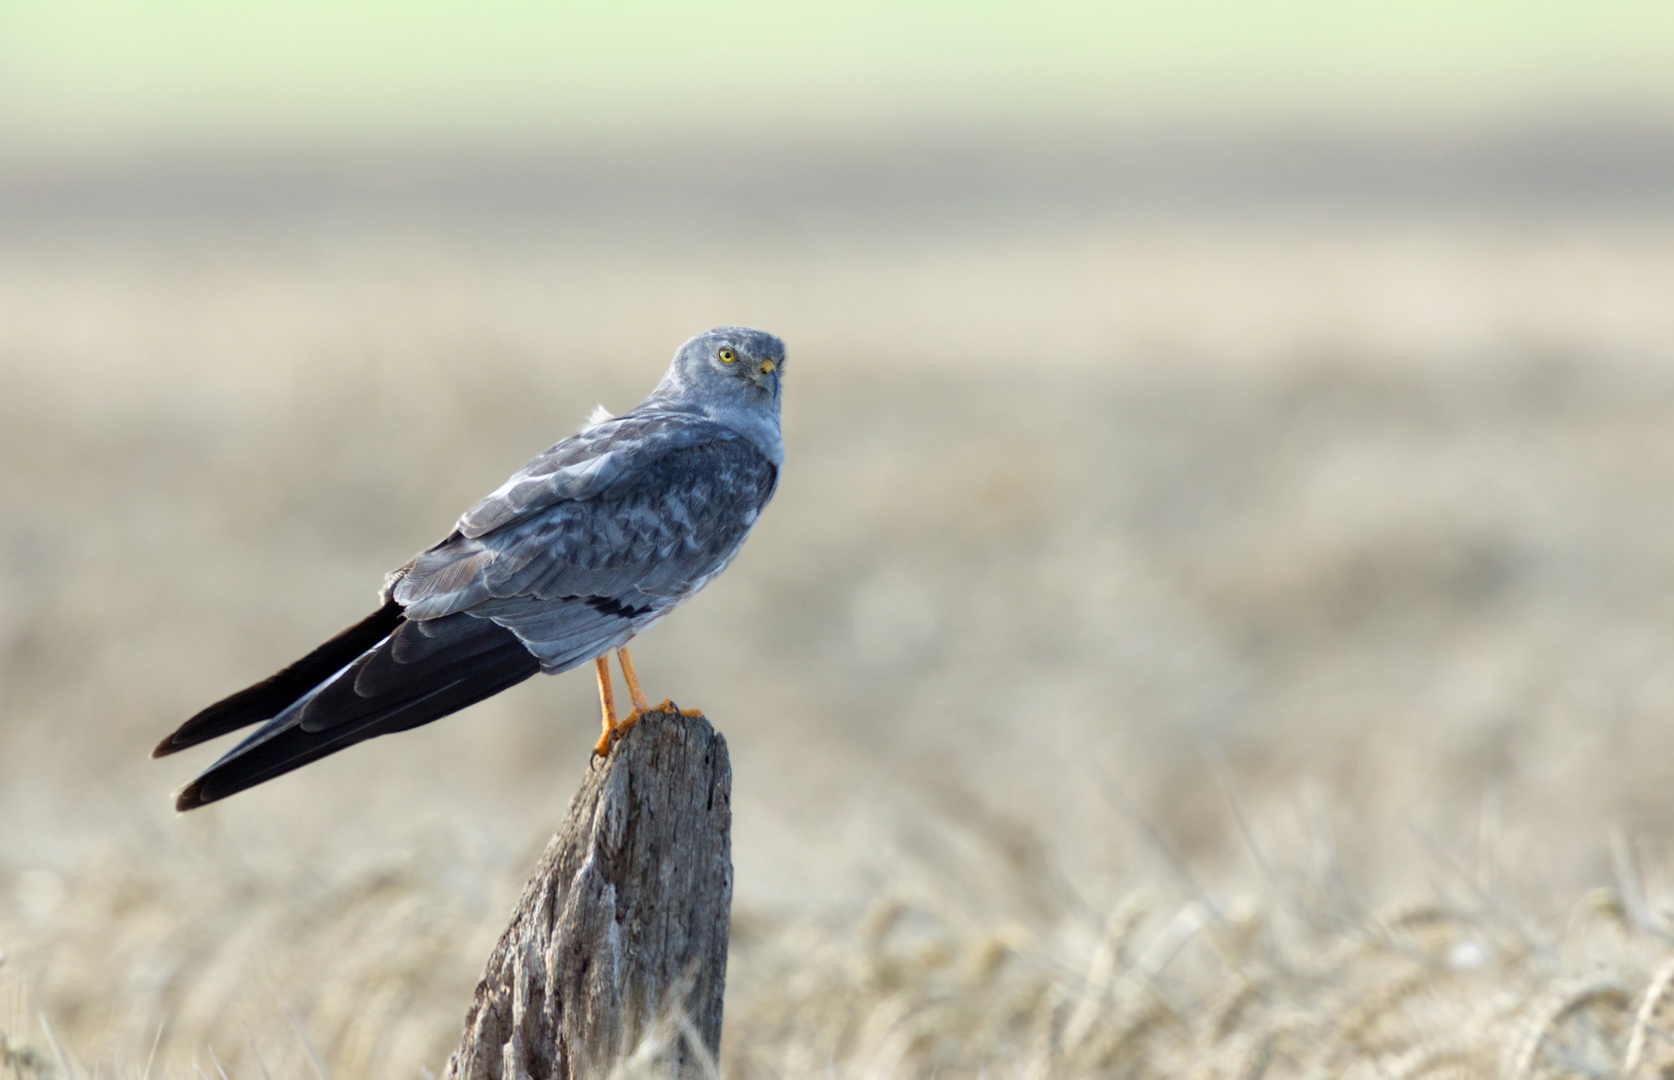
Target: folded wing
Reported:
[(269, 697), (421, 672), (579, 575)]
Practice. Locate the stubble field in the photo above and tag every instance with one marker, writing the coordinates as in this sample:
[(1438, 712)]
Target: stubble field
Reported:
[(1224, 643)]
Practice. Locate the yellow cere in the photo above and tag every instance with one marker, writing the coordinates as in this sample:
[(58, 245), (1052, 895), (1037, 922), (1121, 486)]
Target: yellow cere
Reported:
[(768, 366)]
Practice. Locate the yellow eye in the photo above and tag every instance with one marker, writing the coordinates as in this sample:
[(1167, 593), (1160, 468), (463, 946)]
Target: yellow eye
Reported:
[(727, 356)]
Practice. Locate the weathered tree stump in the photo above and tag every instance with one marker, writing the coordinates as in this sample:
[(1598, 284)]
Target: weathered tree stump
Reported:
[(618, 947)]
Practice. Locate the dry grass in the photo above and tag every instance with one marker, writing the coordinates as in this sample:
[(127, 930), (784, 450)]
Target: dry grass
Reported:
[(1196, 648)]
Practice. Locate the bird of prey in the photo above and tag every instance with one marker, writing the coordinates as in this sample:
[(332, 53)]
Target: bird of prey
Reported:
[(585, 546)]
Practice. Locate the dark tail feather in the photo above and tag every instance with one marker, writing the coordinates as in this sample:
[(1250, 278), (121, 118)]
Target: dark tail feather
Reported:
[(274, 695), (425, 671)]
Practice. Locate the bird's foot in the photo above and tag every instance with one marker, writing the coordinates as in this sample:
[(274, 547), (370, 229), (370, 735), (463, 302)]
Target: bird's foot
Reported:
[(620, 727), (617, 730)]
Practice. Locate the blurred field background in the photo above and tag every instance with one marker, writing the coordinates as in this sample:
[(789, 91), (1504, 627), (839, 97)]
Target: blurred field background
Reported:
[(1217, 619)]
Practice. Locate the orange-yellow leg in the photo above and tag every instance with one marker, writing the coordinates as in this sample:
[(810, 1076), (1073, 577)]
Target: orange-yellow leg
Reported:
[(607, 703), (641, 706), (634, 692)]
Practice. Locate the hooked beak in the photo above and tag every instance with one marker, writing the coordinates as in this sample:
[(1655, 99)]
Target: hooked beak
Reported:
[(766, 376)]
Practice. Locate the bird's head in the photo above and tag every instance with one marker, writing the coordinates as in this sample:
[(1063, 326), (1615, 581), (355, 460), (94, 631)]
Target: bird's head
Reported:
[(729, 367), (731, 375)]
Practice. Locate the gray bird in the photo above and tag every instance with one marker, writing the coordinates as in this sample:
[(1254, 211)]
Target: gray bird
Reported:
[(587, 545)]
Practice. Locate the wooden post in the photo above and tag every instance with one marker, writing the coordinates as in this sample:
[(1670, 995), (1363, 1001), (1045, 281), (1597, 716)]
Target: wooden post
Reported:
[(618, 947)]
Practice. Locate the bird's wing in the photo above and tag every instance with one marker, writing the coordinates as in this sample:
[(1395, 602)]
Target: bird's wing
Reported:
[(273, 694), (573, 576), (585, 464), (418, 673)]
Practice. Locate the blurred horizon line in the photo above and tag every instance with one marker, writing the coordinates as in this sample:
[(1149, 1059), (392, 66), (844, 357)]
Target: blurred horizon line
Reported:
[(1587, 164)]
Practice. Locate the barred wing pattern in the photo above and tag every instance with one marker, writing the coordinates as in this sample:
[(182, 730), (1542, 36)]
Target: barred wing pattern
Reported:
[(584, 464), (574, 576)]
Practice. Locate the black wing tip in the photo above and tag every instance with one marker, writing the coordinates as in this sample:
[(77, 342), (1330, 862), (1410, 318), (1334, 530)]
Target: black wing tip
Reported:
[(266, 699), (182, 738), (191, 796), (489, 659)]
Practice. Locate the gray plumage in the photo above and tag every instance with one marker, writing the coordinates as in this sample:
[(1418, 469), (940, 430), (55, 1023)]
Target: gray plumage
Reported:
[(585, 546)]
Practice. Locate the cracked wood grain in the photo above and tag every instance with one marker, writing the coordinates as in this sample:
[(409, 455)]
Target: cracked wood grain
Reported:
[(615, 958)]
